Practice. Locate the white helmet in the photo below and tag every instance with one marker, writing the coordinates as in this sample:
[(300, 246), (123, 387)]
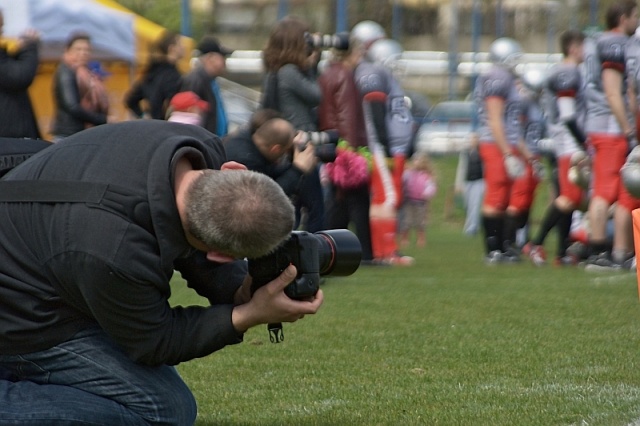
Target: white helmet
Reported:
[(534, 80), (505, 51), (384, 51), (630, 173), (366, 32)]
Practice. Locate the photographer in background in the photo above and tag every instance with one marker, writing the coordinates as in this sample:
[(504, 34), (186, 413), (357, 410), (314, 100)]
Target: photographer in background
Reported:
[(18, 71), (87, 334), (290, 87), (341, 109), (265, 147)]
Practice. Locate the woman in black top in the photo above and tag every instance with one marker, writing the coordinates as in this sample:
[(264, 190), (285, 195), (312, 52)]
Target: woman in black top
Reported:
[(160, 81)]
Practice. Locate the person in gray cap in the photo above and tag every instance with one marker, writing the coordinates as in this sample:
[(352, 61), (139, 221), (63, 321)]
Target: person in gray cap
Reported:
[(202, 81)]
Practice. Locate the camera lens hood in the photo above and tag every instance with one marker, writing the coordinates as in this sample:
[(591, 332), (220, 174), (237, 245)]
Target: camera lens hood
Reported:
[(340, 252)]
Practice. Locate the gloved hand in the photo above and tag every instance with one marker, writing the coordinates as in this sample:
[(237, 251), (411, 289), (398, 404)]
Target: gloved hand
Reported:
[(515, 166), (580, 171), (538, 169), (546, 145)]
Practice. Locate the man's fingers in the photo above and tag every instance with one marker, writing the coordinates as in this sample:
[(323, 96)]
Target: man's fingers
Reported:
[(285, 277)]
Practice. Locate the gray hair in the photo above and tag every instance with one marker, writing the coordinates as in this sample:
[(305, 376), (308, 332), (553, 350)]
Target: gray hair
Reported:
[(239, 213)]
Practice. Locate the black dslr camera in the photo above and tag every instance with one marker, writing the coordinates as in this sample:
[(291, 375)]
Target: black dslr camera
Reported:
[(324, 143), (334, 252), (338, 41)]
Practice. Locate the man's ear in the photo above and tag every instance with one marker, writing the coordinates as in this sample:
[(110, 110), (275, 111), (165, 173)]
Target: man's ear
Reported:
[(276, 150), (214, 256)]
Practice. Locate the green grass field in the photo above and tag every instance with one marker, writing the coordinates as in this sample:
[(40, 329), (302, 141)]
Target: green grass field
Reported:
[(448, 341)]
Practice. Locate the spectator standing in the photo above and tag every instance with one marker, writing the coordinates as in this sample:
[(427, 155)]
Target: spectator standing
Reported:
[(611, 129), (291, 87), (419, 187), (70, 116), (473, 188), (202, 81), (160, 81), (18, 71), (341, 110), (86, 329)]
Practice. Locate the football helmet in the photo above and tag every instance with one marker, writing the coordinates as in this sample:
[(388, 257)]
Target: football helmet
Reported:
[(534, 80), (366, 32), (505, 51), (630, 173), (384, 51)]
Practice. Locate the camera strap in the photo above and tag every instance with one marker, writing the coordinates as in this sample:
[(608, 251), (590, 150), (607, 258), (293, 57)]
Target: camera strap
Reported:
[(113, 198), (276, 335)]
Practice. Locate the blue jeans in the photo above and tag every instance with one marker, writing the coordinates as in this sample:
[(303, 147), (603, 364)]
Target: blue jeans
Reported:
[(473, 193), (88, 380)]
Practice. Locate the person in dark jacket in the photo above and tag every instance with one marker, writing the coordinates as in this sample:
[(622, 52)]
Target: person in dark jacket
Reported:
[(86, 329), (291, 87), (70, 116), (341, 109), (18, 71), (202, 81), (160, 82), (265, 147)]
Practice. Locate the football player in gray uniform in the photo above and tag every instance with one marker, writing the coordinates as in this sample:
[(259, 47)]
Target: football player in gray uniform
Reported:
[(565, 109), (389, 127), (500, 132), (610, 128)]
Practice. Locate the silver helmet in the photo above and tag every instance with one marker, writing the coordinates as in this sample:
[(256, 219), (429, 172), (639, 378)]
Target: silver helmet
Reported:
[(630, 173), (505, 51), (366, 32), (384, 51), (534, 80)]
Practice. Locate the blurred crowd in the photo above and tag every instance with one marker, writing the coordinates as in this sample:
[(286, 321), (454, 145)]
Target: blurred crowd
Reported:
[(580, 117), (338, 139)]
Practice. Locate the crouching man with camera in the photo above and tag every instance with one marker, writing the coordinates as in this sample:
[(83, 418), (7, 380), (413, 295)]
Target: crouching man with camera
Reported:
[(92, 231), (270, 145)]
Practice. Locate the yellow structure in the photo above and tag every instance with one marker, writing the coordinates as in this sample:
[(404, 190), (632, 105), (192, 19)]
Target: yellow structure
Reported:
[(123, 74)]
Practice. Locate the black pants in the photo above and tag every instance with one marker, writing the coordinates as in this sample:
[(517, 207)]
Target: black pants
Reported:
[(312, 200), (350, 206)]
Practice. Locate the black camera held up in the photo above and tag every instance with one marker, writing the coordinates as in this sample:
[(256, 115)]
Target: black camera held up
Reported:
[(333, 252), (324, 142), (339, 41)]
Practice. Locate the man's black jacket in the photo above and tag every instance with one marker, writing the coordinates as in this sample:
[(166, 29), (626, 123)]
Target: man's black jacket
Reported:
[(240, 147), (67, 266), (17, 72)]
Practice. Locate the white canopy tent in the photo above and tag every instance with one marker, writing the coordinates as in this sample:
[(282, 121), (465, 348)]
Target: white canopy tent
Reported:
[(112, 32)]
